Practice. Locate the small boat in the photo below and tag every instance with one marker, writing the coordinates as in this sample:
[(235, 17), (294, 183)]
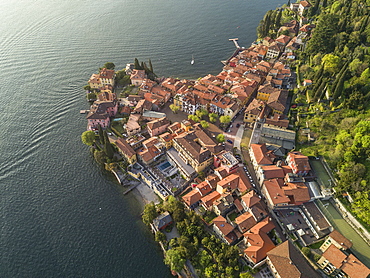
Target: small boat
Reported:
[(192, 59)]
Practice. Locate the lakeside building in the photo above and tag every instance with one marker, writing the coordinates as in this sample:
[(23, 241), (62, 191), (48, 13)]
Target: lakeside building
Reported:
[(100, 113), (105, 77)]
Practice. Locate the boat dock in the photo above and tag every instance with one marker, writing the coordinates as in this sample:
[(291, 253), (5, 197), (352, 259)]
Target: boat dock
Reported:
[(235, 42)]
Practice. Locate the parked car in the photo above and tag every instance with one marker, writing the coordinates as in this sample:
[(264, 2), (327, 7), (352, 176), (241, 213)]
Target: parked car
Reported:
[(237, 125), (229, 141)]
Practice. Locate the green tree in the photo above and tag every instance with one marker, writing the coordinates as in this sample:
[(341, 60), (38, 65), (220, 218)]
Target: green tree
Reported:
[(225, 119), (109, 65), (220, 138), (246, 275), (174, 108), (306, 251), (137, 65), (151, 66), (160, 237), (201, 112), (204, 124), (149, 213), (212, 117), (108, 147), (87, 88), (100, 157), (337, 91), (101, 134), (323, 39), (331, 63), (122, 79), (194, 118), (175, 258), (91, 96), (88, 137)]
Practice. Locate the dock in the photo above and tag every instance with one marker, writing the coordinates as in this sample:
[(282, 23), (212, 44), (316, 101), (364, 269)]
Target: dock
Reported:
[(84, 111), (235, 42)]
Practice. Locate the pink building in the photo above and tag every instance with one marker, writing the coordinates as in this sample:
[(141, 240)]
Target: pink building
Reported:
[(299, 163), (158, 126), (100, 113)]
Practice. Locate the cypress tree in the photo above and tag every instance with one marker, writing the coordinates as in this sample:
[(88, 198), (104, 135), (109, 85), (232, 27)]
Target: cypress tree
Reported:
[(320, 90), (142, 65), (101, 135), (364, 24), (151, 66), (136, 64), (340, 85), (317, 84), (108, 148), (278, 18), (335, 83), (266, 23), (319, 73)]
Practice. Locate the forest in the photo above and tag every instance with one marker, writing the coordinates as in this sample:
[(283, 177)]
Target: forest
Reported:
[(331, 114), (336, 106)]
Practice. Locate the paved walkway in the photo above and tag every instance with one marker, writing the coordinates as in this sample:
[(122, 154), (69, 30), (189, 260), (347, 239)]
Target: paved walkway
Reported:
[(238, 137)]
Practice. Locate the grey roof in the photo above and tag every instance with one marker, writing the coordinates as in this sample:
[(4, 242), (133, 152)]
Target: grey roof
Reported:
[(153, 114), (162, 220), (185, 167), (317, 215)]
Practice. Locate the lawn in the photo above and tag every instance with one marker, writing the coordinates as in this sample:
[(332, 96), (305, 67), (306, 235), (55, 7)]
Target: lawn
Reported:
[(232, 216), (322, 176), (316, 245), (117, 125)]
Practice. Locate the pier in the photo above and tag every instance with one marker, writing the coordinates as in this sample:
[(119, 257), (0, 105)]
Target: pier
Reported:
[(235, 42)]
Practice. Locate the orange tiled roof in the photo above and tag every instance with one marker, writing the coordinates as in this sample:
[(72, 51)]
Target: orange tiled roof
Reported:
[(277, 195), (192, 197), (210, 198), (354, 268), (262, 155)]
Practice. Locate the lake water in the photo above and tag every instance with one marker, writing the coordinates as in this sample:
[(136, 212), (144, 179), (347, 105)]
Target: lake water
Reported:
[(61, 215)]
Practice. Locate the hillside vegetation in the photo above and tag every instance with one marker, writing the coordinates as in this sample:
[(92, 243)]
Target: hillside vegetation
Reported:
[(334, 111)]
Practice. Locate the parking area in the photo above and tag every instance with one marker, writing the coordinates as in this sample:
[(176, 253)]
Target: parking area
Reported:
[(296, 225), (249, 176)]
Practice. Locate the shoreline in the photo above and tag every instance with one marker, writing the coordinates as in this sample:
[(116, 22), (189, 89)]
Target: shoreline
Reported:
[(144, 195)]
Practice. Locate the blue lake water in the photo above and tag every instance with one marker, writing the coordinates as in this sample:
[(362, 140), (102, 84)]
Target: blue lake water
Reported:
[(61, 215)]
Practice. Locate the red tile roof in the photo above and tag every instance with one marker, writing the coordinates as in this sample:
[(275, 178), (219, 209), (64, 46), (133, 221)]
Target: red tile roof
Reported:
[(192, 197), (262, 155), (210, 198), (340, 239), (334, 256), (354, 268)]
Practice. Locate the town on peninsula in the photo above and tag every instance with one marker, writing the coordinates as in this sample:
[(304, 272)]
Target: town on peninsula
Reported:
[(261, 170)]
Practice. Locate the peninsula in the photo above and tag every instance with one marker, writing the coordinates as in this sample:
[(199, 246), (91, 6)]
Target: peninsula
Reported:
[(239, 194)]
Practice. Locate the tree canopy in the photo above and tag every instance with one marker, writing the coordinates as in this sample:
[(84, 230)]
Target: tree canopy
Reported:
[(88, 137), (109, 65)]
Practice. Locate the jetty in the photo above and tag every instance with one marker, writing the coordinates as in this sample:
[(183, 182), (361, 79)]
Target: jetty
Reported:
[(235, 42)]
